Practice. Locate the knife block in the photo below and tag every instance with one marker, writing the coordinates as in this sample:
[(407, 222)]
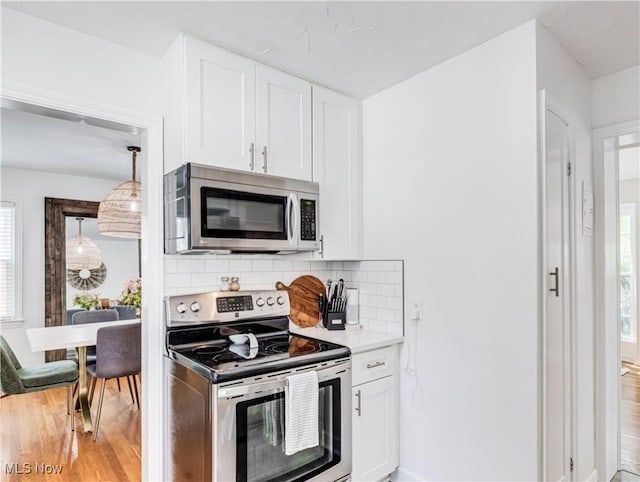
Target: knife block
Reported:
[(334, 320)]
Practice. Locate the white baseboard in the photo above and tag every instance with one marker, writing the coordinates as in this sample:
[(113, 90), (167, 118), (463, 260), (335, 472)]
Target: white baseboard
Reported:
[(404, 475), (593, 476)]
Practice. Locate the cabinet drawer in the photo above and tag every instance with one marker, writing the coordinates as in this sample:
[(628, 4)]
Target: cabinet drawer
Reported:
[(372, 365)]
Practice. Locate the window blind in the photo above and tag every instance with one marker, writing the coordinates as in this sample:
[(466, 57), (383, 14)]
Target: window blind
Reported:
[(7, 260)]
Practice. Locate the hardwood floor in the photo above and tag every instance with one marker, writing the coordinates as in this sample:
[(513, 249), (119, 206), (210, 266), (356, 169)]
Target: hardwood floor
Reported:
[(34, 429), (630, 433)]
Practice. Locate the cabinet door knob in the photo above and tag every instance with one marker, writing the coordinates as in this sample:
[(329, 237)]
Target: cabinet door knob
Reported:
[(264, 155), (252, 162)]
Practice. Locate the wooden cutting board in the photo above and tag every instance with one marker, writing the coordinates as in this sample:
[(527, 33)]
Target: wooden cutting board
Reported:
[(304, 294)]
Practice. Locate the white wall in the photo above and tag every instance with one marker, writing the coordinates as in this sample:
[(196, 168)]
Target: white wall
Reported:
[(40, 55), (569, 86), (30, 188), (450, 186), (616, 98)]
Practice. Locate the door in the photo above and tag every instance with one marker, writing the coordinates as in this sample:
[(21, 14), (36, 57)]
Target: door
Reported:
[(283, 124), (220, 107), (336, 164), (374, 413), (557, 394)]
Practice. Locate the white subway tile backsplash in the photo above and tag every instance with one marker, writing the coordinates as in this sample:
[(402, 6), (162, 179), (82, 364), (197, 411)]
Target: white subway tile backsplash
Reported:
[(377, 276), (380, 283), (187, 265), (302, 266), (282, 265), (177, 280), (262, 265), (217, 266), (170, 266), (237, 266), (394, 277)]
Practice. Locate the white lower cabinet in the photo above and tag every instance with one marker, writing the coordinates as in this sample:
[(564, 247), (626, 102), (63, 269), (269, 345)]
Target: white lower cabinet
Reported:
[(375, 415)]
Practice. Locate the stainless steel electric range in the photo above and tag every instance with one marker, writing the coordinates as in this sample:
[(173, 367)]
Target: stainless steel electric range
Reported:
[(228, 357)]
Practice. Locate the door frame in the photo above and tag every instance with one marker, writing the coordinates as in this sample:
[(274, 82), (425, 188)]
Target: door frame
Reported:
[(547, 102), (604, 366), (153, 402)]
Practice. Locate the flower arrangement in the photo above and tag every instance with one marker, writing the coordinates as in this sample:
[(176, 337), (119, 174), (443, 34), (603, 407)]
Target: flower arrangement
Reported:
[(132, 293), (86, 300)]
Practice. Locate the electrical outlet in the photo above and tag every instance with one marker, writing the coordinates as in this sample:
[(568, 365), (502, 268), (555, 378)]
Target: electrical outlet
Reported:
[(416, 309)]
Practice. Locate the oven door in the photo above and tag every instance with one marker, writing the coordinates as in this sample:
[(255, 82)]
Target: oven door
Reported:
[(249, 431), (231, 216)]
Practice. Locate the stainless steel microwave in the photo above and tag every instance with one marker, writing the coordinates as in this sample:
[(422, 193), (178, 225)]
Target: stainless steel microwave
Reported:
[(215, 209)]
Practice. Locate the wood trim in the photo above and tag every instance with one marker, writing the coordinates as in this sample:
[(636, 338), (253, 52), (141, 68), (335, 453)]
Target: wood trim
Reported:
[(55, 286)]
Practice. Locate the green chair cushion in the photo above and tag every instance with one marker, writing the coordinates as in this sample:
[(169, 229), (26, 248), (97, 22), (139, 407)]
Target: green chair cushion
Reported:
[(61, 371)]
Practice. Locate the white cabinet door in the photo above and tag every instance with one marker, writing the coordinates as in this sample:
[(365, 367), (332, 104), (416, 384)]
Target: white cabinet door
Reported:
[(220, 106), (283, 124), (336, 167), (375, 440)]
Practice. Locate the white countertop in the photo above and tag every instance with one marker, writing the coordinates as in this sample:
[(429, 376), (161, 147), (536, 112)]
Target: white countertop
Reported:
[(357, 339), (68, 336)]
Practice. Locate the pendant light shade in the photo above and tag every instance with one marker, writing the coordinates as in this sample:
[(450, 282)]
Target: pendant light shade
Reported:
[(81, 252), (120, 212)]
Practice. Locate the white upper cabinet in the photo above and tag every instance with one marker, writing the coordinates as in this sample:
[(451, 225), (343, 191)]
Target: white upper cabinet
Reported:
[(220, 106), (337, 168), (228, 111), (283, 124)]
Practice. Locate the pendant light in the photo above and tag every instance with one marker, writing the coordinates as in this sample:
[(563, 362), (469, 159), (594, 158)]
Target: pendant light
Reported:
[(120, 211), (81, 252)]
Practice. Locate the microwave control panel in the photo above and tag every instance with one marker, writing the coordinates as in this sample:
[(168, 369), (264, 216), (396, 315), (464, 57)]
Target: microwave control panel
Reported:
[(307, 220)]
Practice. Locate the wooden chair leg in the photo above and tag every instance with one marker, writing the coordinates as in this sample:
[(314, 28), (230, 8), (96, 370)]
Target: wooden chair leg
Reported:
[(130, 389), (118, 382), (135, 386), (95, 429)]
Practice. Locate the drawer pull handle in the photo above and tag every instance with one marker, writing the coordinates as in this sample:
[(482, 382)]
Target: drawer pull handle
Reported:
[(376, 364)]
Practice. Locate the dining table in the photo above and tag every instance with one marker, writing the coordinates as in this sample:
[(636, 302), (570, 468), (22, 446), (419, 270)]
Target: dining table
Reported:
[(73, 336)]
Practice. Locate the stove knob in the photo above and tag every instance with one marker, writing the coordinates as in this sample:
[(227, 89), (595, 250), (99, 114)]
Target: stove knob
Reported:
[(260, 302), (195, 307), (270, 301), (280, 300), (181, 308)]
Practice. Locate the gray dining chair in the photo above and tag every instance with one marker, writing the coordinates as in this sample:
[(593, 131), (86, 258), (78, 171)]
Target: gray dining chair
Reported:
[(70, 313), (16, 379), (93, 316), (126, 312), (118, 354)]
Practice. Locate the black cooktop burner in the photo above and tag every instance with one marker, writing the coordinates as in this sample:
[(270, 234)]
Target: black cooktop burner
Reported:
[(225, 361)]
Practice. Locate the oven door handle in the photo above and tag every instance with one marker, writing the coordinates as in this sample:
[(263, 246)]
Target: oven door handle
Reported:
[(237, 391), (292, 218)]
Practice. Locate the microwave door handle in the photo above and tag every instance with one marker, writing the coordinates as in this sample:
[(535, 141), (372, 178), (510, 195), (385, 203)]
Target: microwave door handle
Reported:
[(292, 213)]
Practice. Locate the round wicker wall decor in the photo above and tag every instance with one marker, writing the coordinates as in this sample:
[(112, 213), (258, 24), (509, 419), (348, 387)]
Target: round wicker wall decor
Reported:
[(87, 279)]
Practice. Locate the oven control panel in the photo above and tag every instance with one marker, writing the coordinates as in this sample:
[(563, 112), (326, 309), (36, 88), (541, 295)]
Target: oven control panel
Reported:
[(225, 306)]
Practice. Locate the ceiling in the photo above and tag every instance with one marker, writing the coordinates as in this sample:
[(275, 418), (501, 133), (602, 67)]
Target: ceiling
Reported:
[(359, 48), (42, 143)]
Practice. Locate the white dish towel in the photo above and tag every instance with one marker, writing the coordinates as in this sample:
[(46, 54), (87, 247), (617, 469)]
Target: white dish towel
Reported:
[(301, 412)]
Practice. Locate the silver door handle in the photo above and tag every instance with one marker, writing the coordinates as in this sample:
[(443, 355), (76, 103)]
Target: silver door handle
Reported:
[(252, 150), (321, 252), (555, 289), (264, 155), (359, 407), (376, 364)]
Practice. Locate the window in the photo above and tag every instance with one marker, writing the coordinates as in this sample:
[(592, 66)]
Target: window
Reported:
[(628, 306), (10, 263)]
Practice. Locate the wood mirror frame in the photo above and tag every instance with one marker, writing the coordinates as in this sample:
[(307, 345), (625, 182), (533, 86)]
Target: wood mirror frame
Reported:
[(55, 273)]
